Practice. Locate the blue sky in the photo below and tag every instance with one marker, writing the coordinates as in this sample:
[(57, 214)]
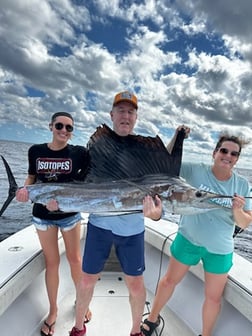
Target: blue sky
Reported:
[(188, 61)]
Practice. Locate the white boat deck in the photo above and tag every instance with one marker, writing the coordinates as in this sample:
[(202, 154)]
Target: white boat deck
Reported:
[(110, 303), (110, 308)]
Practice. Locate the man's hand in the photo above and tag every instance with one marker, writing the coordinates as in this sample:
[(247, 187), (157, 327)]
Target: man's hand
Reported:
[(172, 142), (152, 208), (186, 129)]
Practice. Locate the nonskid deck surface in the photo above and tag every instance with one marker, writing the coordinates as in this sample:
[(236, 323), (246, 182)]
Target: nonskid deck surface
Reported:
[(110, 309), (111, 313)]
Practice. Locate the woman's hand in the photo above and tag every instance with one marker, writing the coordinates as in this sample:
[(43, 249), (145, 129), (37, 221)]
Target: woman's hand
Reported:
[(22, 195), (242, 217), (152, 208), (238, 202), (52, 205)]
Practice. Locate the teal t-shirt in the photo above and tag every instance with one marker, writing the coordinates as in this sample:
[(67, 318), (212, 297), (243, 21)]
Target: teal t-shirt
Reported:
[(213, 229)]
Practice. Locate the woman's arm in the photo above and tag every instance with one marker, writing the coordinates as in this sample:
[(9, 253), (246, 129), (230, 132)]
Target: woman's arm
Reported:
[(242, 217)]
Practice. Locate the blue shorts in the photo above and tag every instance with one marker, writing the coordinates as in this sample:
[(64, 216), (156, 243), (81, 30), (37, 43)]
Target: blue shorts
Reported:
[(129, 251), (190, 254), (64, 224)]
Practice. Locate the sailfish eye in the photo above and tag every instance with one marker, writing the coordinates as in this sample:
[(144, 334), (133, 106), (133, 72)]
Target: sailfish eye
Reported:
[(198, 193)]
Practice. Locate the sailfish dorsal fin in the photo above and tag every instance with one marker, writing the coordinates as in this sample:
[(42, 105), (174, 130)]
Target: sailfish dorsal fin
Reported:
[(119, 157)]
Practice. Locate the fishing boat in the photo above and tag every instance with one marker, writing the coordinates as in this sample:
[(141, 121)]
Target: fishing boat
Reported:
[(24, 305)]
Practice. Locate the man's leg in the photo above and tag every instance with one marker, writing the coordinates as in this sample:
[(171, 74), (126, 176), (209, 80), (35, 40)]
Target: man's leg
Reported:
[(137, 297)]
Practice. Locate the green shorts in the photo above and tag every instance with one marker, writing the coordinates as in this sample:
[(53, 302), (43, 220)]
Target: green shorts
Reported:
[(189, 254)]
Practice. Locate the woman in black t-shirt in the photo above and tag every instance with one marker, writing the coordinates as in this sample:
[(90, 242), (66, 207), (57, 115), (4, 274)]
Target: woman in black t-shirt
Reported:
[(56, 161)]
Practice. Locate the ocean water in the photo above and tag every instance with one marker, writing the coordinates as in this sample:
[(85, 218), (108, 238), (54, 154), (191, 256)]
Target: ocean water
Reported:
[(18, 215)]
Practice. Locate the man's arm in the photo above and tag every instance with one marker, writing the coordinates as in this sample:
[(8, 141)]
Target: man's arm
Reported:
[(171, 143)]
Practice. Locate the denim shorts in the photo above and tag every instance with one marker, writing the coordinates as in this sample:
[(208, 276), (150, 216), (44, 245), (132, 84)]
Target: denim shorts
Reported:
[(129, 251), (64, 224), (189, 254)]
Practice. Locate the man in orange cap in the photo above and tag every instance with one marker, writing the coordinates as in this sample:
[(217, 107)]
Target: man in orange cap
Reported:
[(126, 232), (124, 113)]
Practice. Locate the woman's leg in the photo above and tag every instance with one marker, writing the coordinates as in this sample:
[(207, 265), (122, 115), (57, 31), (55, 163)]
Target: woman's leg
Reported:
[(73, 254), (49, 243), (174, 274), (214, 287)]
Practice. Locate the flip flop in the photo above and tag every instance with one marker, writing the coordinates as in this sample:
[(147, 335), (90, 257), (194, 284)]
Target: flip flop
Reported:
[(49, 326)]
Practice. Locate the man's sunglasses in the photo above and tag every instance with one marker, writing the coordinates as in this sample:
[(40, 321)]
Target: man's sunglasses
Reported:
[(59, 127), (226, 151)]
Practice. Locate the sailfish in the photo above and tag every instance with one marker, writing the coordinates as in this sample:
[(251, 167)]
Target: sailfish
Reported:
[(122, 171)]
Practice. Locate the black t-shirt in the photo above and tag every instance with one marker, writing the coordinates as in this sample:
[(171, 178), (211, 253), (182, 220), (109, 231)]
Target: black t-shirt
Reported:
[(66, 165)]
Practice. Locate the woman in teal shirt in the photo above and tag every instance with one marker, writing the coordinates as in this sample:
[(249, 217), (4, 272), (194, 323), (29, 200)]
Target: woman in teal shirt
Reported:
[(207, 237)]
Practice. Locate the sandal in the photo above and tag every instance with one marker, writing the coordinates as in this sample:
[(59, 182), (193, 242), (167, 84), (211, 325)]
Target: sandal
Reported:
[(49, 326), (151, 325)]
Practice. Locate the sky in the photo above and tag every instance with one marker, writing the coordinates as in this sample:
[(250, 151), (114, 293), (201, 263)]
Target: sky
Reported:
[(188, 61)]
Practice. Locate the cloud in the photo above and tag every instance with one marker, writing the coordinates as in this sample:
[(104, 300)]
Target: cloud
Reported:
[(188, 61)]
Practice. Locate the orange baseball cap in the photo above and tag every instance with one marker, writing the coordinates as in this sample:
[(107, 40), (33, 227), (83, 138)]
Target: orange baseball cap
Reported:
[(125, 96)]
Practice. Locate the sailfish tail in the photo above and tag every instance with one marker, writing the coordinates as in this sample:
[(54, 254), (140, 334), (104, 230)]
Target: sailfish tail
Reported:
[(12, 186)]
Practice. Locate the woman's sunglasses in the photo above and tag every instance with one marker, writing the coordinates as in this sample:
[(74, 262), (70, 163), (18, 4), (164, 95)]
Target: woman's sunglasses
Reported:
[(59, 127), (226, 151)]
